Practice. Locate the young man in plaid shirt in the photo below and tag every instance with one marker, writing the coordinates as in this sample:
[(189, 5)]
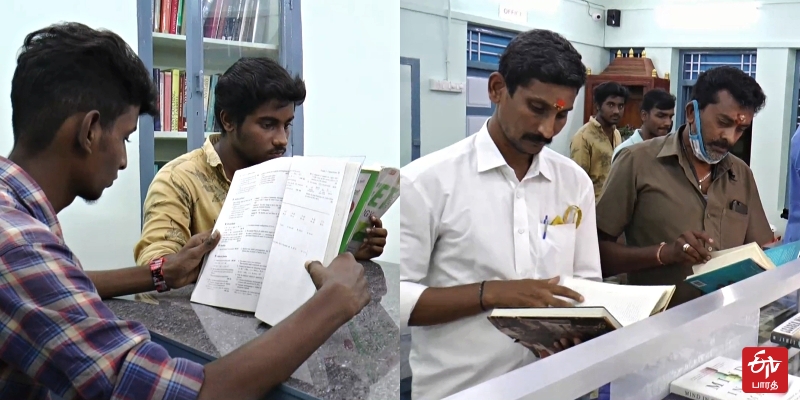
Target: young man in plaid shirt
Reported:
[(76, 96)]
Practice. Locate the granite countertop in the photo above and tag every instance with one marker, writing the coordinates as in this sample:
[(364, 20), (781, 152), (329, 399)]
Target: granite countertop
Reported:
[(360, 361)]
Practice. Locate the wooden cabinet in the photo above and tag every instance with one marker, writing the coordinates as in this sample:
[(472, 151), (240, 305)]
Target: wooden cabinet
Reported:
[(635, 73)]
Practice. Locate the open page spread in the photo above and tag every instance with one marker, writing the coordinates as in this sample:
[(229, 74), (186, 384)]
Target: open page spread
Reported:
[(311, 211), (627, 303), (234, 271), (724, 258)]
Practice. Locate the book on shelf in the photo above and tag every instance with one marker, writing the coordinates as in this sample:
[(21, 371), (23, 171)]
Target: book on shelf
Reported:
[(787, 333), (606, 307), (237, 20), (168, 16), (721, 379), (729, 266), (277, 215), (171, 86)]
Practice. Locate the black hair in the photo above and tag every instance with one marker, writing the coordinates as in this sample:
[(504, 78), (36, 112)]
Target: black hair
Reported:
[(70, 68), (605, 90), (744, 89), (249, 83), (657, 98), (542, 55)]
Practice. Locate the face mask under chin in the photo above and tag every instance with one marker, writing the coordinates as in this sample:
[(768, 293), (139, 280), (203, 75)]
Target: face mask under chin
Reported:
[(696, 141)]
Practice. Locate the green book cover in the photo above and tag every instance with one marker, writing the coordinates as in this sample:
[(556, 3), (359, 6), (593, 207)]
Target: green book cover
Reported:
[(364, 188), (383, 195)]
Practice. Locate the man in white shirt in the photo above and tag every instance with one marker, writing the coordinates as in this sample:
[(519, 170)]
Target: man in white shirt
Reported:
[(472, 236), (657, 111)]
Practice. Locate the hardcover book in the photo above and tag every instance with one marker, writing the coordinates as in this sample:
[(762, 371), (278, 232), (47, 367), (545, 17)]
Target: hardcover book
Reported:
[(606, 307)]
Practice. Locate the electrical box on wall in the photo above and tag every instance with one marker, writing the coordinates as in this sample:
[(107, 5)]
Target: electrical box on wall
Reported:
[(447, 86)]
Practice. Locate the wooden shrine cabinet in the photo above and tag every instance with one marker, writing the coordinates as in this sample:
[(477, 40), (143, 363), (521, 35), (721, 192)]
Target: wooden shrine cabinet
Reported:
[(637, 73)]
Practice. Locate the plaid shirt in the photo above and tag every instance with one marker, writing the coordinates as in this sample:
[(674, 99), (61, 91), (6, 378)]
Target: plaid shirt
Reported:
[(57, 338)]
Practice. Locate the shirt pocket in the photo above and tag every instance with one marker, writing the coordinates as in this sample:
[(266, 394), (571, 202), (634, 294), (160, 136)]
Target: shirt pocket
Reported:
[(733, 229), (558, 251)]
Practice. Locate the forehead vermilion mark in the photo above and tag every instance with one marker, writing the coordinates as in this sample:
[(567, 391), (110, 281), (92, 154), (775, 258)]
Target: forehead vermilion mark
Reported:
[(740, 119), (560, 104)]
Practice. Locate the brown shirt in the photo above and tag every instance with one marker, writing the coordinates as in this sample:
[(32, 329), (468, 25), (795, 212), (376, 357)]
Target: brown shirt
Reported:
[(592, 150), (184, 199), (651, 195)]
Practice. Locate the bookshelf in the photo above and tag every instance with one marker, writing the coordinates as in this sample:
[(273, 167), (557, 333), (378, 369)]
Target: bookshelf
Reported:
[(188, 44)]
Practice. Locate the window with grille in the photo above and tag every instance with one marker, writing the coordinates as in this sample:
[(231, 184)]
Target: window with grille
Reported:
[(485, 45), (484, 48), (695, 62)]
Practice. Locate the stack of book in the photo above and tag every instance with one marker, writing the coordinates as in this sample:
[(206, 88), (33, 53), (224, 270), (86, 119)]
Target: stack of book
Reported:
[(171, 86)]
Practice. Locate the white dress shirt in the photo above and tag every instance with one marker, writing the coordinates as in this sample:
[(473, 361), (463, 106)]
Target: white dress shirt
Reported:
[(466, 219), (635, 138)]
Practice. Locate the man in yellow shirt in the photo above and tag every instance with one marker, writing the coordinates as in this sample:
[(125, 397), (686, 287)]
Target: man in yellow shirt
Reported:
[(593, 145), (254, 107)]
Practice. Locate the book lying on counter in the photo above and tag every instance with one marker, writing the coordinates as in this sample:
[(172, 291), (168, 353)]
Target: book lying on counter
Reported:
[(278, 215), (774, 314), (606, 307), (721, 379), (787, 333), (729, 266)]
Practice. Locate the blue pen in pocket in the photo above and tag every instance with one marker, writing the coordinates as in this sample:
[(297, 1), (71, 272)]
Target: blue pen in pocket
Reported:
[(544, 235)]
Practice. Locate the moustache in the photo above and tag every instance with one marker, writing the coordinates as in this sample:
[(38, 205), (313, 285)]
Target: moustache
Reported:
[(536, 138), (722, 144)]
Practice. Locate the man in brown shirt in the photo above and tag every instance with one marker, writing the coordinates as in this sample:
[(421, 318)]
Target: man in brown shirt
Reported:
[(593, 145), (678, 197), (254, 108)]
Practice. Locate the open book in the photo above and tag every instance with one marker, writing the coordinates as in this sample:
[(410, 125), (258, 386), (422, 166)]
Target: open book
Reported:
[(736, 264), (606, 307), (376, 190), (277, 215)]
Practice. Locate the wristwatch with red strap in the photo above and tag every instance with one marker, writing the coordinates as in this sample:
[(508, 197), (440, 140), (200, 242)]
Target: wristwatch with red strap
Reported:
[(158, 277)]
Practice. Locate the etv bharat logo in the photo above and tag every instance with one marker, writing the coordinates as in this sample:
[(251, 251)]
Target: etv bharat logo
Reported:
[(767, 370)]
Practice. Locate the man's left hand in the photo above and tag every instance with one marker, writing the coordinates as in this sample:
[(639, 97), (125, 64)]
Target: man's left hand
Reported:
[(374, 242), (183, 268)]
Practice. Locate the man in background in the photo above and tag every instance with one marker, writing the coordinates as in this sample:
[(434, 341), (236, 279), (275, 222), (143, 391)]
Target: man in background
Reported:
[(76, 97), (657, 111), (681, 196), (480, 208), (254, 106), (594, 144), (792, 233)]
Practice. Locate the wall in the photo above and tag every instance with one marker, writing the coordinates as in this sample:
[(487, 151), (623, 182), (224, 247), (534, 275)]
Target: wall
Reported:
[(424, 35), (102, 235), (709, 25), (351, 65), (771, 129), (442, 115)]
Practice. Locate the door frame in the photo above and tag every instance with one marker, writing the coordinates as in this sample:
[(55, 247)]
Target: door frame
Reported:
[(415, 106)]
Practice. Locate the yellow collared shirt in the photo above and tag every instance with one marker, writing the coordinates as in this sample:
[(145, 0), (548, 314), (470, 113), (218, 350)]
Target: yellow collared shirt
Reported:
[(592, 150), (184, 199)]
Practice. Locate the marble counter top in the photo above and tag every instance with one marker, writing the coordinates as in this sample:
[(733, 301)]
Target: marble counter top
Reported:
[(361, 361)]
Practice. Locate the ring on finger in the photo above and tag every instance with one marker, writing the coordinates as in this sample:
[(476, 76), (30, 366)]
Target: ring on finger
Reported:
[(686, 247)]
